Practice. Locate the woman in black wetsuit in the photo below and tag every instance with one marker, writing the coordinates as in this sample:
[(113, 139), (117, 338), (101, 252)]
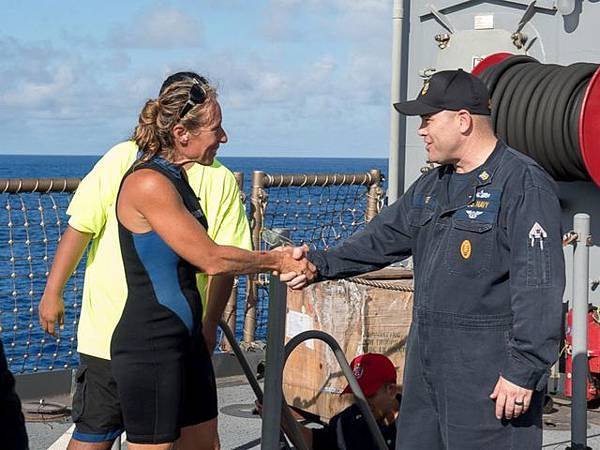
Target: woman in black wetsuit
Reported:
[(159, 359)]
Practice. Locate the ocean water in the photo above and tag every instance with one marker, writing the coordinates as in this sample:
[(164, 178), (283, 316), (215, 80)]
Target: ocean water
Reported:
[(27, 249), (38, 166)]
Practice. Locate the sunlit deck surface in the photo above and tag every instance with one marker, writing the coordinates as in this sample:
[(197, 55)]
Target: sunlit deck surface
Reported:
[(236, 432), (240, 430)]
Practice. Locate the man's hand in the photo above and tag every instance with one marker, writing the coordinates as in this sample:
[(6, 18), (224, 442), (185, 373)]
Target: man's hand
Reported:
[(51, 312), (296, 280), (511, 400)]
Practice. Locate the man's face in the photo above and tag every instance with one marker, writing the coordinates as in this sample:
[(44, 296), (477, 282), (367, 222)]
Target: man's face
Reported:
[(383, 401), (442, 135)]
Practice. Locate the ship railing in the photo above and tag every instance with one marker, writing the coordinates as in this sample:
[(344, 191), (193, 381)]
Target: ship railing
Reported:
[(318, 210)]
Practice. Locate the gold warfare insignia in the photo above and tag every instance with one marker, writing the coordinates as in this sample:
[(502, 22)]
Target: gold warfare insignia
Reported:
[(465, 249), (483, 176), (425, 87)]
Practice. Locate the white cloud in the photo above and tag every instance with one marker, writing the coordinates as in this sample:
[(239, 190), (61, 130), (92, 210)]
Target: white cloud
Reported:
[(352, 46), (343, 7), (42, 93), (339, 20), (42, 82), (276, 91), (160, 28)]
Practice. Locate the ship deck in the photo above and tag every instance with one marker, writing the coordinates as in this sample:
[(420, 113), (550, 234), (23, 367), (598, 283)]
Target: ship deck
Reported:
[(239, 429)]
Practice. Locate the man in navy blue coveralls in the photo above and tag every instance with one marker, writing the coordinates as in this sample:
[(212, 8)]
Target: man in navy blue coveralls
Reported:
[(483, 229)]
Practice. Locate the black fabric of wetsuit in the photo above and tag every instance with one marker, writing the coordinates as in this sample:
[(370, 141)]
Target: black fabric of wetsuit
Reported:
[(159, 358)]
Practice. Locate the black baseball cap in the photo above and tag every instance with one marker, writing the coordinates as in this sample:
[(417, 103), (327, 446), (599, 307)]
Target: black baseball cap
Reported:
[(182, 76), (451, 90)]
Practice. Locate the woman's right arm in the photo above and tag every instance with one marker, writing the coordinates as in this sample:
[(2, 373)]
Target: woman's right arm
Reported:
[(149, 201), (68, 254)]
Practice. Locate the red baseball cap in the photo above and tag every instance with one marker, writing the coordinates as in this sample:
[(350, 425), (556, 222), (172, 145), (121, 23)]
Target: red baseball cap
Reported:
[(371, 370)]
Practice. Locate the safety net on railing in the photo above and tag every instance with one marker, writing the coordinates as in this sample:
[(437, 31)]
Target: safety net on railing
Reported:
[(317, 210), (32, 219)]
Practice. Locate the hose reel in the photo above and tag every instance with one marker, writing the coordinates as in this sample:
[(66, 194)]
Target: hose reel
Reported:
[(547, 111)]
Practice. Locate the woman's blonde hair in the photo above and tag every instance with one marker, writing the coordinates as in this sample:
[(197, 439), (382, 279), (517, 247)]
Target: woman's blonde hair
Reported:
[(153, 134)]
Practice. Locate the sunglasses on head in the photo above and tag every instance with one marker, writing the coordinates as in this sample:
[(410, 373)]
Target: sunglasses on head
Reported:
[(197, 97)]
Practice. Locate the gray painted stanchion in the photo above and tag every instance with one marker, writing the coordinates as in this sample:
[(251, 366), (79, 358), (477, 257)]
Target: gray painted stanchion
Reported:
[(273, 396), (581, 262), (289, 423)]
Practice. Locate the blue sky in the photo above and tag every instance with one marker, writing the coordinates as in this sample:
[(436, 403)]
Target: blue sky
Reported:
[(296, 77)]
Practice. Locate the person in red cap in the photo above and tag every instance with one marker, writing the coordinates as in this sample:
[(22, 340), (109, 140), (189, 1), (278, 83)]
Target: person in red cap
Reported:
[(348, 430)]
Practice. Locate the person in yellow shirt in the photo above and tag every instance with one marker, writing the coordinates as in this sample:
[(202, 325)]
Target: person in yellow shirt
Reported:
[(93, 221)]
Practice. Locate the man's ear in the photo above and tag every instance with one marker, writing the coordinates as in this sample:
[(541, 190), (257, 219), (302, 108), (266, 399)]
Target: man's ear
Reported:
[(465, 121)]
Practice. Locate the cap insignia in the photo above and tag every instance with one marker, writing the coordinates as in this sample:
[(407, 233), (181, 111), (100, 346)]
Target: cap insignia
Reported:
[(358, 372), (425, 87)]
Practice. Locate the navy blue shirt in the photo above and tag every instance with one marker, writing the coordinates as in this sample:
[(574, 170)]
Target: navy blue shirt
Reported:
[(348, 430), (458, 182), (497, 244)]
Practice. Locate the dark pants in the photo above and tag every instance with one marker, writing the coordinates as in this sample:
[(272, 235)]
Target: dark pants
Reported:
[(452, 365), (13, 435)]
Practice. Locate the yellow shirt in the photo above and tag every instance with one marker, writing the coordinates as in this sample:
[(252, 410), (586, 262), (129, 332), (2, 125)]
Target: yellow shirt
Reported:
[(92, 210)]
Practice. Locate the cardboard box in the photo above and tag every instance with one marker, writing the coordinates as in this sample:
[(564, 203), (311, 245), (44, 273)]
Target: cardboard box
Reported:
[(362, 318)]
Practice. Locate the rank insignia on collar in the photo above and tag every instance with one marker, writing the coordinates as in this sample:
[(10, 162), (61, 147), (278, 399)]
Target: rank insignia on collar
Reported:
[(483, 176)]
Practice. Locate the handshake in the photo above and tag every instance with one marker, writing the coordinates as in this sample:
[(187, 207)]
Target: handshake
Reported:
[(295, 270)]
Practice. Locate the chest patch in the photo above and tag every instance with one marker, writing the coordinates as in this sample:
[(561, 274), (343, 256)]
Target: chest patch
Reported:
[(484, 207), (465, 249)]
